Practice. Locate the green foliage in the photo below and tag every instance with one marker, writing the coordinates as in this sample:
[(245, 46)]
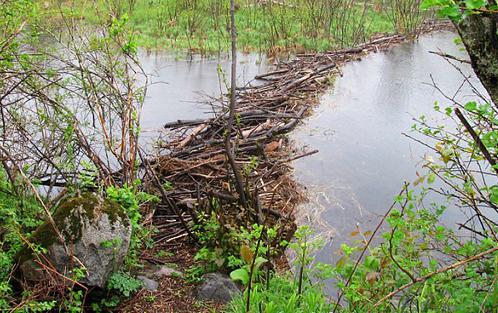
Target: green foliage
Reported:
[(194, 273), (224, 247), (124, 284), (283, 293), (408, 251), (38, 306), (459, 9), (74, 302), (202, 26), (280, 295), (20, 214), (106, 304), (243, 274), (251, 166), (131, 200)]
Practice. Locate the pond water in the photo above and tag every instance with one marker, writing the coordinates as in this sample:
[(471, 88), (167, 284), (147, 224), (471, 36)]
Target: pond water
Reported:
[(364, 158), (179, 87)]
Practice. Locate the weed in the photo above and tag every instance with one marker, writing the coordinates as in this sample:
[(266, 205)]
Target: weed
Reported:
[(123, 283)]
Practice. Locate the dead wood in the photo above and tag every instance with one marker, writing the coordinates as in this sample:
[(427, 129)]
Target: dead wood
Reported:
[(195, 161)]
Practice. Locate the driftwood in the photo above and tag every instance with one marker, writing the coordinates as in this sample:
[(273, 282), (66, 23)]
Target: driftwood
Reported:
[(195, 161)]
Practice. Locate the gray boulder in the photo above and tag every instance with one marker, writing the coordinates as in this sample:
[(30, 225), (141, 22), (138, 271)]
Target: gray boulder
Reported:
[(217, 287), (97, 235)]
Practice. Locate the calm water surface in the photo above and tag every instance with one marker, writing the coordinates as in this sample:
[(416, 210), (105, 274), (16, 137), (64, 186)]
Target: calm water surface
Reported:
[(178, 87), (364, 159)]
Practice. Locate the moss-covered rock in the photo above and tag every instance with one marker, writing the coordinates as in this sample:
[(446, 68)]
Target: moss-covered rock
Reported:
[(96, 232)]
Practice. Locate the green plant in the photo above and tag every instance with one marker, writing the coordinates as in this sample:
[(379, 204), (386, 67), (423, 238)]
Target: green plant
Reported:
[(224, 247), (201, 26), (457, 10), (284, 293), (407, 265), (20, 214), (123, 283), (40, 306), (280, 295), (243, 274), (131, 200), (194, 273), (74, 302), (150, 298), (106, 304)]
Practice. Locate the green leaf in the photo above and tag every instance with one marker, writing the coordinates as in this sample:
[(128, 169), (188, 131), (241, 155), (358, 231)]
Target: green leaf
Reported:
[(259, 262), (431, 178), (475, 4), (471, 106), (494, 194), (240, 274)]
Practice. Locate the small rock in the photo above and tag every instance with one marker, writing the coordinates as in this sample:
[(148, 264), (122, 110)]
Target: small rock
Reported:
[(217, 287), (149, 284), (165, 271)]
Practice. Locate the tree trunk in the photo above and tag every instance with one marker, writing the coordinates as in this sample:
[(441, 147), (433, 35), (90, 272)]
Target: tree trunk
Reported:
[(479, 36), (239, 183)]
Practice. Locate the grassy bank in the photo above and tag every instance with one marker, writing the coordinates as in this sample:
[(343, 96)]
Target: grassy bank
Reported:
[(201, 26)]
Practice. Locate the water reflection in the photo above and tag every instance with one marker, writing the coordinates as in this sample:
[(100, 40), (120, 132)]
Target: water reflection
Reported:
[(179, 86), (362, 166)]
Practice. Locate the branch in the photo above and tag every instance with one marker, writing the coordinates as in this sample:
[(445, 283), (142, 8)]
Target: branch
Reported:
[(439, 271), (476, 138), (239, 184), (449, 56), (366, 247)]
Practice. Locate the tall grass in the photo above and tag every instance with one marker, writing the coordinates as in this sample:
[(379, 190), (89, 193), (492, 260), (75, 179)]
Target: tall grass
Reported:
[(405, 15), (202, 26)]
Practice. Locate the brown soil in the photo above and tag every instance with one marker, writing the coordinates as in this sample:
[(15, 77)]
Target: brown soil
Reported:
[(174, 294)]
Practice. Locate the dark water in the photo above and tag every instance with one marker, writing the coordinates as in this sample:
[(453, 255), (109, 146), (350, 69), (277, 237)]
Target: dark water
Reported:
[(364, 159)]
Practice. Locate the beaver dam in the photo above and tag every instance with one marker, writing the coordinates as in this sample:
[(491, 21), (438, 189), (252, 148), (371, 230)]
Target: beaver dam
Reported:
[(195, 162)]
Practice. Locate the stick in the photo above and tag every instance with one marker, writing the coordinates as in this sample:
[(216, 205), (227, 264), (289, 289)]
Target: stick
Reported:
[(449, 56), (366, 247), (476, 138), (239, 184), (165, 196), (439, 271)]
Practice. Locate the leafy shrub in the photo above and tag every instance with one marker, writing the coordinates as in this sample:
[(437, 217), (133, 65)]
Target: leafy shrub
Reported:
[(285, 293), (280, 295), (20, 214), (414, 263), (132, 200)]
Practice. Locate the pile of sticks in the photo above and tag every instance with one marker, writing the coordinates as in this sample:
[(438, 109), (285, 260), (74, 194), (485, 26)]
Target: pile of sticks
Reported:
[(195, 160)]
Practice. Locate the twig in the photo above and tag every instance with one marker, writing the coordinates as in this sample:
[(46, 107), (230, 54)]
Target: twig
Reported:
[(449, 56), (239, 184), (476, 138), (172, 205), (439, 271), (366, 247)]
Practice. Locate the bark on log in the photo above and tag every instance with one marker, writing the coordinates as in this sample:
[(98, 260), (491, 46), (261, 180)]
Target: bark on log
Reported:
[(478, 33)]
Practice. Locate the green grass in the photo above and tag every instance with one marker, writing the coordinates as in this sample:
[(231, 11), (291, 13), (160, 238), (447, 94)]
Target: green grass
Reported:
[(202, 26)]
